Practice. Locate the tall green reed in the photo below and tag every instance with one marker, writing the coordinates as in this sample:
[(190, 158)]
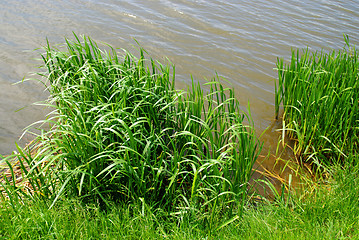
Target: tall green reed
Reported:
[(319, 93), (121, 132)]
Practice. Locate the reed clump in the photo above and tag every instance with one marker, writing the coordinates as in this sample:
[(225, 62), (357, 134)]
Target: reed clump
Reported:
[(121, 132), (320, 95)]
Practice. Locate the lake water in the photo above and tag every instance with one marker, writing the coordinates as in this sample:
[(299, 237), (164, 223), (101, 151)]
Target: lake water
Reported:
[(240, 40)]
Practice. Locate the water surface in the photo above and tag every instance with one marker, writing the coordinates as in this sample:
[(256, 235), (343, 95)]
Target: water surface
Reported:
[(240, 40)]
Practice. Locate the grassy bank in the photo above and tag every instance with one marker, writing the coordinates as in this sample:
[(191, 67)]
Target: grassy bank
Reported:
[(322, 212), (128, 156)]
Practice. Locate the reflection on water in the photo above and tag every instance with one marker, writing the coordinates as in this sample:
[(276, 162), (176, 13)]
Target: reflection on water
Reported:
[(240, 40)]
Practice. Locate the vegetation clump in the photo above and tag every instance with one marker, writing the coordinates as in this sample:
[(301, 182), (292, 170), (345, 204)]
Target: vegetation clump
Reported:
[(320, 96), (120, 132), (164, 163)]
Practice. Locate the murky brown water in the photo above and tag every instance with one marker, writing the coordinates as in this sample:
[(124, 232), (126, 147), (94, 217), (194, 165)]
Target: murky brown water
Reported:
[(240, 40)]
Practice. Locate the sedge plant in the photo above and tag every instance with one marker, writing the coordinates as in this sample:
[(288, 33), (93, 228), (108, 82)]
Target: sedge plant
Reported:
[(320, 96), (121, 132)]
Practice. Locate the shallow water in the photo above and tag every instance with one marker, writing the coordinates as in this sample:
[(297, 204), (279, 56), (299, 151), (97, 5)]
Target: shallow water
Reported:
[(240, 40)]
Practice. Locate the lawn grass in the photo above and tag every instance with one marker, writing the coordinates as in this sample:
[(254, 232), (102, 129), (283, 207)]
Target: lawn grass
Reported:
[(328, 211)]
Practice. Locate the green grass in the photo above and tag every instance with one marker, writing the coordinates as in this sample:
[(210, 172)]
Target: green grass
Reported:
[(320, 97), (328, 211), (120, 132), (128, 156)]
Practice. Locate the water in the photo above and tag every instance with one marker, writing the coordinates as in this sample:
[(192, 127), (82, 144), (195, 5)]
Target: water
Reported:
[(240, 40)]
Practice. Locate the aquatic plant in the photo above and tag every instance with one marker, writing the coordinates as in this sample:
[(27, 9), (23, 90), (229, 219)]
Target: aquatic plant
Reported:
[(320, 97), (121, 132)]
